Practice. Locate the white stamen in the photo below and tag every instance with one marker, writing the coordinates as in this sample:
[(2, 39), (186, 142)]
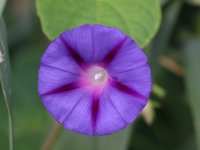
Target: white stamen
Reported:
[(98, 76)]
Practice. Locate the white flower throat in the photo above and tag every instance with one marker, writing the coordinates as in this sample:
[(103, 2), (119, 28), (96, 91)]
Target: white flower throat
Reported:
[(98, 76)]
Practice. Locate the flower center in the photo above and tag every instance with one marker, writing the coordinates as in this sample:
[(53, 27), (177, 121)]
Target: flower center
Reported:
[(97, 76)]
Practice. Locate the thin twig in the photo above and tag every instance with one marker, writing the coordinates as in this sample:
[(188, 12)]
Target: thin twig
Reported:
[(171, 65), (52, 137)]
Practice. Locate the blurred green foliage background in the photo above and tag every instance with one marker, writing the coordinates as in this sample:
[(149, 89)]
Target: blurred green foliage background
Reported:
[(171, 121)]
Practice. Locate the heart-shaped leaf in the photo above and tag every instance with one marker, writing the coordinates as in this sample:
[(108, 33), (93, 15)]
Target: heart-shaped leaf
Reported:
[(137, 18)]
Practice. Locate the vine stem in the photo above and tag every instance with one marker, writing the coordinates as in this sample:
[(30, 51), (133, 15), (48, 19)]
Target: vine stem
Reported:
[(5, 79), (10, 134), (52, 137), (10, 123), (171, 65)]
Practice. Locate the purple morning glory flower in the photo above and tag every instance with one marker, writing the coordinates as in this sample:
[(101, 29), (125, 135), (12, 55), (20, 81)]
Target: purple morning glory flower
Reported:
[(94, 80)]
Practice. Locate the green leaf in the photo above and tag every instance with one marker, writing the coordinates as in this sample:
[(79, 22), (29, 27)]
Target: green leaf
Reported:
[(2, 4), (74, 141), (5, 78), (192, 55), (163, 2), (137, 18)]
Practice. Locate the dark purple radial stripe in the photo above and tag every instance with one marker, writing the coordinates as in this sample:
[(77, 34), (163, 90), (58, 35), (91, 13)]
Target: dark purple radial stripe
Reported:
[(95, 110), (73, 53), (109, 57), (65, 88), (127, 90)]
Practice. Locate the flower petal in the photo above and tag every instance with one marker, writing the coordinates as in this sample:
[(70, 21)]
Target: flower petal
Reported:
[(80, 118), (128, 106), (93, 42), (51, 78), (138, 79), (58, 56), (130, 56), (108, 120), (105, 39), (80, 40), (60, 105), (130, 68)]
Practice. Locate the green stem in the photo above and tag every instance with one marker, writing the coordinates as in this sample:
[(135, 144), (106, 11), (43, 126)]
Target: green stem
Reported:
[(10, 128), (5, 79), (52, 137)]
